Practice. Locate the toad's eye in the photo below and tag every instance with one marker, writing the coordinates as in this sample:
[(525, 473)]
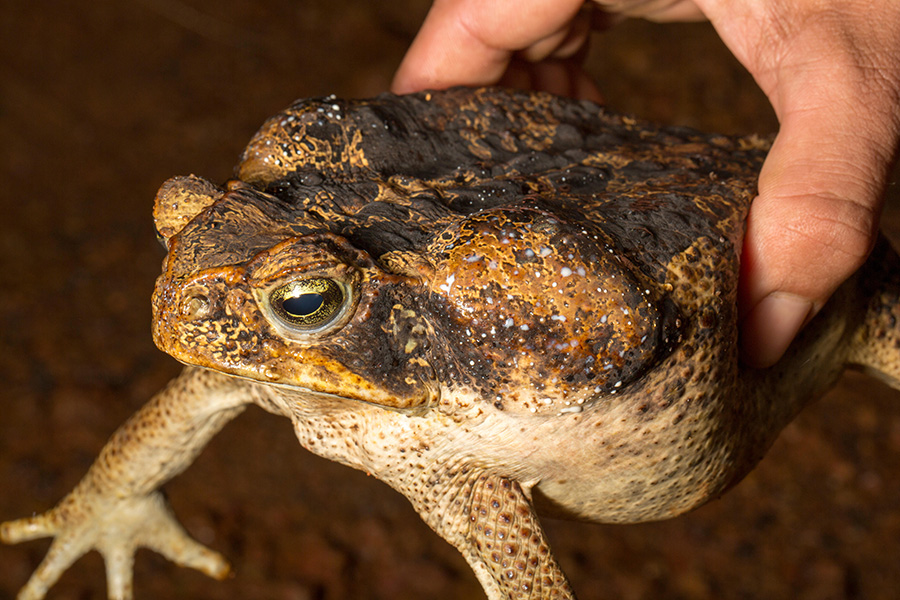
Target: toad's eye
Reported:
[(308, 304)]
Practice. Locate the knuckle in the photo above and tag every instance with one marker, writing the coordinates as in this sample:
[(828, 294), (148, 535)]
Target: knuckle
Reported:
[(840, 231)]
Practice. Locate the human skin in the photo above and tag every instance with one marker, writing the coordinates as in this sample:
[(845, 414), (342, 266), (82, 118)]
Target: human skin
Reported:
[(831, 70)]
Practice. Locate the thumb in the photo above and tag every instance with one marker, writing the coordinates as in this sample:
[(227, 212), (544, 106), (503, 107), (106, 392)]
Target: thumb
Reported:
[(814, 222), (830, 70)]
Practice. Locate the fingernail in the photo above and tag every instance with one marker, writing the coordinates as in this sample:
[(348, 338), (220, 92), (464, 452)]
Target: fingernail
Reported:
[(770, 327)]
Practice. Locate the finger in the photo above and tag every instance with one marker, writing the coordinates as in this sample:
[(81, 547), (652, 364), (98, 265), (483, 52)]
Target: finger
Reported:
[(60, 557), (166, 536), (119, 572), (812, 226), (187, 552), (833, 80), (655, 10), (568, 41), (30, 528), (561, 77), (470, 42)]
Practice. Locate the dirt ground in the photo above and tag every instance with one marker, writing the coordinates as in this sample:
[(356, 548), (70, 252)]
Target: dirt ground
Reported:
[(102, 100)]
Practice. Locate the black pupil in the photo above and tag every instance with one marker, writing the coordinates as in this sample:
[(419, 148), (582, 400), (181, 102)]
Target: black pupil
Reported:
[(303, 305)]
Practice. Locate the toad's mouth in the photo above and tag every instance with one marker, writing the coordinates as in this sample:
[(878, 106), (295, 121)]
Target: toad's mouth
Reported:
[(295, 390), (304, 370)]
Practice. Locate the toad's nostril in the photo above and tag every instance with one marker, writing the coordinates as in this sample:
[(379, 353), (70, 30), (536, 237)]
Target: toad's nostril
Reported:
[(195, 306)]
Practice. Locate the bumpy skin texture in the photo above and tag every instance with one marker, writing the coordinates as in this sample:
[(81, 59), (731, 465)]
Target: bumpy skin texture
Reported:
[(527, 301)]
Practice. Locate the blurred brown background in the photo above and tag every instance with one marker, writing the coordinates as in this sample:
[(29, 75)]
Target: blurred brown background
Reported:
[(101, 101)]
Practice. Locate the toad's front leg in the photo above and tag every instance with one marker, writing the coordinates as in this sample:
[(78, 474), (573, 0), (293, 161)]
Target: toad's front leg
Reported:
[(116, 507), (490, 519)]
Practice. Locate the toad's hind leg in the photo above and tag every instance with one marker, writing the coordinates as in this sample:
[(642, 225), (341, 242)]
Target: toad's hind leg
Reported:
[(875, 347)]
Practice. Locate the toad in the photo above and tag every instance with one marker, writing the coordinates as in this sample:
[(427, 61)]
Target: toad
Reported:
[(496, 302)]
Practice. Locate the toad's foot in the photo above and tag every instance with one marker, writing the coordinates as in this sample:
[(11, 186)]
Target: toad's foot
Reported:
[(116, 509), (116, 531)]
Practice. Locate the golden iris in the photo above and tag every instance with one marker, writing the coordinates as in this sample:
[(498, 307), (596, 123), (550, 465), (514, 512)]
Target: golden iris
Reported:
[(307, 303)]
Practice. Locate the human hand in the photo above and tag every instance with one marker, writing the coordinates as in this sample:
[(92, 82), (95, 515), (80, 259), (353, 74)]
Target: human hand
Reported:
[(831, 70)]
